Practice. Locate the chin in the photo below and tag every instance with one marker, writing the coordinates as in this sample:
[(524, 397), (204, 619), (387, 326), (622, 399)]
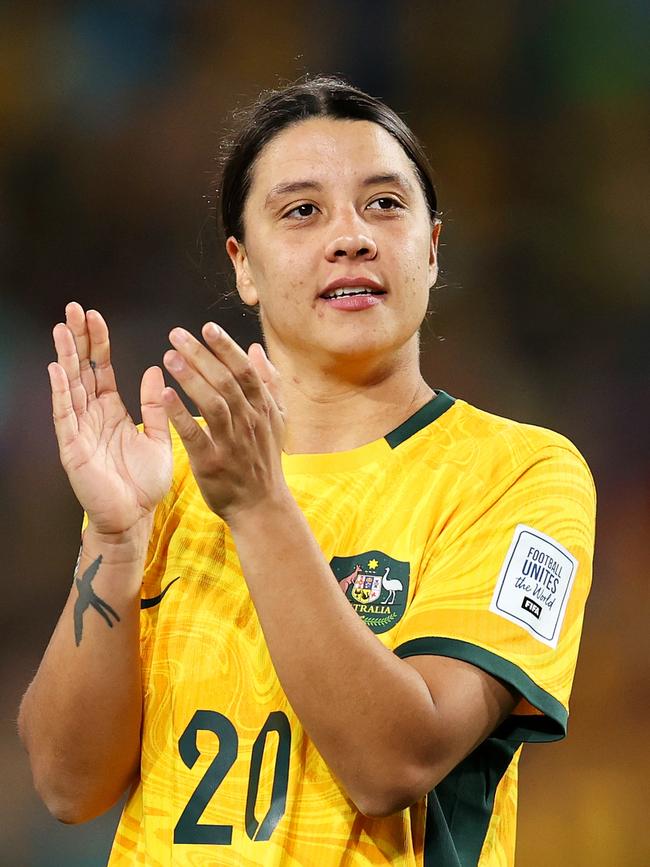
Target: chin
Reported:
[(358, 349)]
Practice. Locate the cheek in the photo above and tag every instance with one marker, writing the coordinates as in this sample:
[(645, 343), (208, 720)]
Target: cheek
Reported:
[(414, 264), (287, 280), (281, 281)]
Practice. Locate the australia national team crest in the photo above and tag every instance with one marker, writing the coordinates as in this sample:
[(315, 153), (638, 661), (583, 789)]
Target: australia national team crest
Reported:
[(376, 585)]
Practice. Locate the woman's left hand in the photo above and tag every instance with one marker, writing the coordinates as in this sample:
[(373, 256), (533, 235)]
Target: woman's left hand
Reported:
[(236, 459)]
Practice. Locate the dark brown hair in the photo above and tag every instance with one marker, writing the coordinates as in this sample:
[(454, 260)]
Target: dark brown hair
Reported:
[(321, 96)]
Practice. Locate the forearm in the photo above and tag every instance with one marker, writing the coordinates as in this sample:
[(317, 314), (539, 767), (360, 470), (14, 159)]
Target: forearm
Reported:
[(316, 642), (80, 718)]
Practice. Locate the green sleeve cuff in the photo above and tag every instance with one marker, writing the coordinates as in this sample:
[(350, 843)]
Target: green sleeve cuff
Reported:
[(531, 728)]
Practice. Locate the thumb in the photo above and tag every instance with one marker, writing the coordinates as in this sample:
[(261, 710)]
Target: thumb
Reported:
[(267, 372), (154, 416)]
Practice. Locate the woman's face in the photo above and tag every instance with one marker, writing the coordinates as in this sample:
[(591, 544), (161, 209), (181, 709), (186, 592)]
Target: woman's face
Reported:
[(336, 206)]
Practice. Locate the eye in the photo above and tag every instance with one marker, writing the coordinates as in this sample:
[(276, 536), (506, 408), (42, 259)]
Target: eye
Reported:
[(385, 203), (304, 210)]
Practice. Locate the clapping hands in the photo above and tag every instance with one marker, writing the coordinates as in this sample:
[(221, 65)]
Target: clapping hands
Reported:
[(120, 473)]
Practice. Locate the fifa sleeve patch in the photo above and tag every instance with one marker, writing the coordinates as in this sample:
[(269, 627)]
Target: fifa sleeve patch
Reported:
[(534, 585)]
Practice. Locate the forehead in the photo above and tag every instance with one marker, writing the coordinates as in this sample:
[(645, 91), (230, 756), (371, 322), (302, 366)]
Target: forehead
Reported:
[(328, 149)]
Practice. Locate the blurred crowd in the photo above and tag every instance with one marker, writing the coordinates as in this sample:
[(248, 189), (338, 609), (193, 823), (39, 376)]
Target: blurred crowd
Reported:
[(535, 119)]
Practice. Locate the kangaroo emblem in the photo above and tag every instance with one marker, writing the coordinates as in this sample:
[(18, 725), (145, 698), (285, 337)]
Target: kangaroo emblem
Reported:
[(344, 583)]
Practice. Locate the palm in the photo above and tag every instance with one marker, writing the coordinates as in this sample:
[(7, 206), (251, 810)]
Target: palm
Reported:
[(118, 472)]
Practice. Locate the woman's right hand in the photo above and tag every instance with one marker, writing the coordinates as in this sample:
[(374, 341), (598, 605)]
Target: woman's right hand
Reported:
[(118, 473)]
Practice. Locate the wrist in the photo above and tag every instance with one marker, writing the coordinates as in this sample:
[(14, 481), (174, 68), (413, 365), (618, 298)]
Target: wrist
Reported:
[(278, 502), (128, 546)]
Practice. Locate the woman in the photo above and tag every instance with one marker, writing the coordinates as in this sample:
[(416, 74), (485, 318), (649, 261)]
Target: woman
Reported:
[(332, 609)]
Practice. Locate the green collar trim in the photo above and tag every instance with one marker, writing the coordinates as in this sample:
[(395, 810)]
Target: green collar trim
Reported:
[(420, 419)]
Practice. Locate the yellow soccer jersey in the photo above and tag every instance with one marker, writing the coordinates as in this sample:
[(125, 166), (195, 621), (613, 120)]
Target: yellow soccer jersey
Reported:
[(459, 534)]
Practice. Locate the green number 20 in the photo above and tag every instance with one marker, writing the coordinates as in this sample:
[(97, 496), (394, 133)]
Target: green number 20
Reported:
[(187, 829)]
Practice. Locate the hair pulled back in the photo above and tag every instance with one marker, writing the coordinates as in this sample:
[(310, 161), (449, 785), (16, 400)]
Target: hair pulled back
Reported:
[(321, 96)]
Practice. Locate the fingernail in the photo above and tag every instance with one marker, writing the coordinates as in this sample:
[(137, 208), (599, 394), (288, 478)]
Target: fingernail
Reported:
[(212, 329), (179, 335), (173, 361)]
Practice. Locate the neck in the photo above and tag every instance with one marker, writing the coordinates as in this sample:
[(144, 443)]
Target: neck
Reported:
[(348, 405)]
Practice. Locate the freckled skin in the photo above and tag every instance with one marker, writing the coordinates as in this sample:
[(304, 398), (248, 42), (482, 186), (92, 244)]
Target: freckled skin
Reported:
[(286, 261)]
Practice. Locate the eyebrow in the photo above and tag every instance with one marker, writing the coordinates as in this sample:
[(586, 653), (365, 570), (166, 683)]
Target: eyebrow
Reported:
[(291, 187), (398, 178), (301, 186)]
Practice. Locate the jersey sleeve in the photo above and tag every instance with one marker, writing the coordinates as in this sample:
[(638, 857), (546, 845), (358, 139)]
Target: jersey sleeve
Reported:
[(505, 588)]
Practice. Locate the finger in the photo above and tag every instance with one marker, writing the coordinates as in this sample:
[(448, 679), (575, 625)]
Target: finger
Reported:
[(100, 353), (154, 415), (213, 405), (198, 444), (75, 319), (267, 372), (63, 412), (213, 371), (67, 358), (237, 361)]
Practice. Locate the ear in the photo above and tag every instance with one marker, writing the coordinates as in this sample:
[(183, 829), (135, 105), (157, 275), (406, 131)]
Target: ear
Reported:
[(245, 283), (433, 252)]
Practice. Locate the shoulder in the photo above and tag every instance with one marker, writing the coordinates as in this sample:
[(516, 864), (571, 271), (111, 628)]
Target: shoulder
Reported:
[(502, 446)]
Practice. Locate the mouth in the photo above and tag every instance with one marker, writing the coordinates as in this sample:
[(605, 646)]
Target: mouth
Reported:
[(350, 287), (350, 292)]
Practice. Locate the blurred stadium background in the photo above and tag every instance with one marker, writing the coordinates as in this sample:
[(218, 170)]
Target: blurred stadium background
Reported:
[(535, 115)]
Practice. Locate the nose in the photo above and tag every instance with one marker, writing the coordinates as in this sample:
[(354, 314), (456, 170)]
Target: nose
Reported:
[(353, 246)]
